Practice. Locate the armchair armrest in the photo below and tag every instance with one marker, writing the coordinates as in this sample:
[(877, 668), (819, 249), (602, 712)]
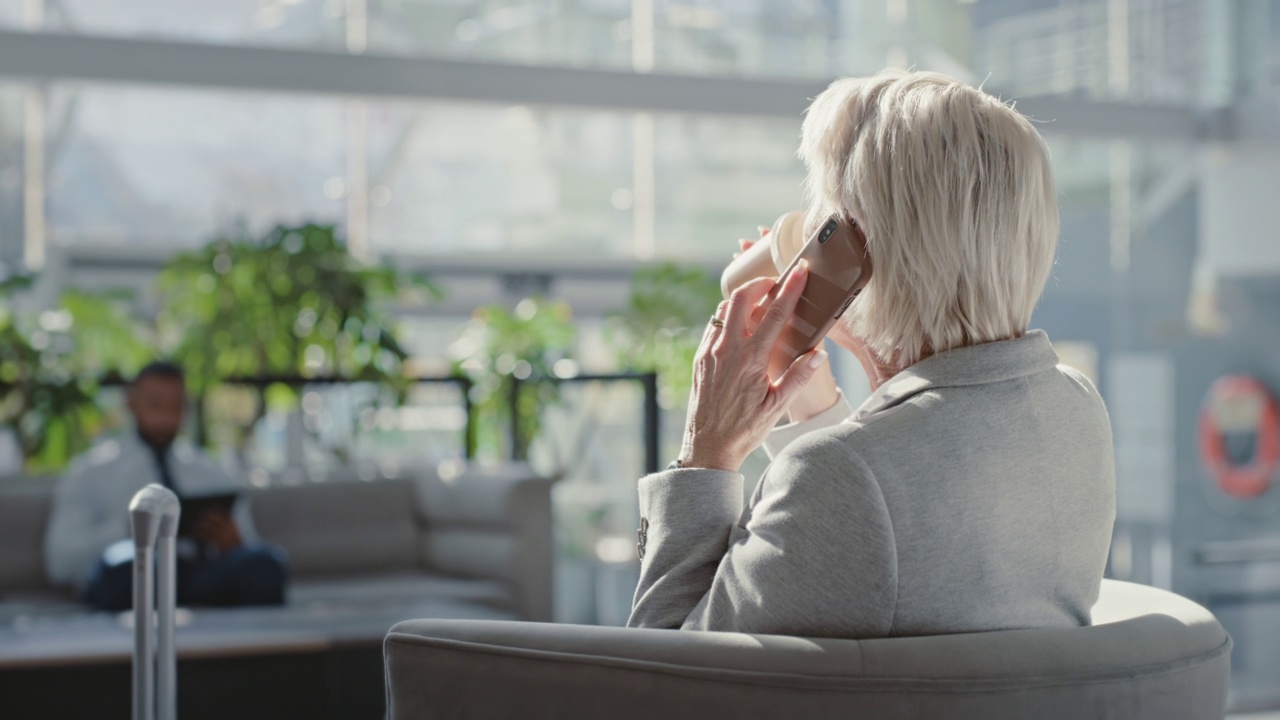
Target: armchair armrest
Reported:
[(477, 668), (492, 523)]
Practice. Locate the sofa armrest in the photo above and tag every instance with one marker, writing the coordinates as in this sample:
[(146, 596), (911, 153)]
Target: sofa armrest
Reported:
[(492, 523)]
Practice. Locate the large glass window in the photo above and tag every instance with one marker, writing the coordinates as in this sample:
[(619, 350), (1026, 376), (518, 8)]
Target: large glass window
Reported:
[(446, 178), (717, 178), (1141, 51), (12, 14), (12, 101), (1259, 28), (455, 178), (307, 23), (166, 168), (129, 165)]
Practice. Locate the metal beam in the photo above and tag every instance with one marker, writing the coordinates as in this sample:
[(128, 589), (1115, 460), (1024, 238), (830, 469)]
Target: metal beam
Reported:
[(149, 257), (53, 56), (1073, 116), (592, 287)]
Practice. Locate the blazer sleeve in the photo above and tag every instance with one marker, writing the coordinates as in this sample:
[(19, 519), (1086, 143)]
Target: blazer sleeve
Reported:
[(813, 556), (686, 516)]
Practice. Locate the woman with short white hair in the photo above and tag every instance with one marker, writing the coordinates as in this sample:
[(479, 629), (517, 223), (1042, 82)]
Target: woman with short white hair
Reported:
[(975, 489)]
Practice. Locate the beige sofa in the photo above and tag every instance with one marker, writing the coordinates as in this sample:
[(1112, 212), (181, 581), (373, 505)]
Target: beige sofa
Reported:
[(362, 555)]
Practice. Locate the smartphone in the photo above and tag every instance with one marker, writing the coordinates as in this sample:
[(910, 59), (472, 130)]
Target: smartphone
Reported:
[(839, 267)]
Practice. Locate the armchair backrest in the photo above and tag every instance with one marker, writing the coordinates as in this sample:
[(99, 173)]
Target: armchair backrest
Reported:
[(1150, 655)]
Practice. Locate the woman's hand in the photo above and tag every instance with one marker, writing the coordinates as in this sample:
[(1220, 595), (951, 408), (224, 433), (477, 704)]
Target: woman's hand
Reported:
[(821, 392), (734, 403)]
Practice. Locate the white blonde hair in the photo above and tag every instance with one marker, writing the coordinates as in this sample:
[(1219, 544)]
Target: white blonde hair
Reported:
[(955, 194)]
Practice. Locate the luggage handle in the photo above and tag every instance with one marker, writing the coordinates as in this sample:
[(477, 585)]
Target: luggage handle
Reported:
[(153, 522)]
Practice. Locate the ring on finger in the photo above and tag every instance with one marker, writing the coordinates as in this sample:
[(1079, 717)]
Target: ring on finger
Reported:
[(717, 317)]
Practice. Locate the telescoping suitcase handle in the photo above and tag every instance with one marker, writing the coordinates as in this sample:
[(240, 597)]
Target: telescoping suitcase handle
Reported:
[(153, 520)]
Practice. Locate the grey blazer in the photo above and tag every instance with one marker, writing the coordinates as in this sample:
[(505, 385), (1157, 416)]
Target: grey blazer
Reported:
[(973, 491)]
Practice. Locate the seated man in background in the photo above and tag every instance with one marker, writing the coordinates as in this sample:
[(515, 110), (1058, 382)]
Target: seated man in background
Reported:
[(87, 545)]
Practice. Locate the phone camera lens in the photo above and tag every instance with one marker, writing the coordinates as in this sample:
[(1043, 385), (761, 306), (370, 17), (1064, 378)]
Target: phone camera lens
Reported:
[(827, 232)]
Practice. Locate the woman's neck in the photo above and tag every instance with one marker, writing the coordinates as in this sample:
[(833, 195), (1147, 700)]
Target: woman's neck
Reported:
[(878, 371)]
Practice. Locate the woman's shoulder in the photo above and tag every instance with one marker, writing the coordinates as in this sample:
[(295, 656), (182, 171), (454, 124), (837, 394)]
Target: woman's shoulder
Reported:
[(1078, 381), (822, 474), (828, 458)]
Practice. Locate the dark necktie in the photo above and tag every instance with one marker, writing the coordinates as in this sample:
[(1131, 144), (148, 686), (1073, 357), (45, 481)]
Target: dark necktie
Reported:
[(162, 465), (191, 548)]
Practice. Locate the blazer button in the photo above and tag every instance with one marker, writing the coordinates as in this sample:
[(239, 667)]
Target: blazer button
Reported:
[(642, 537)]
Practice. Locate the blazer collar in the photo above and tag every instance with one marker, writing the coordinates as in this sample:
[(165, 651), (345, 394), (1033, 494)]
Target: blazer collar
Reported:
[(973, 365)]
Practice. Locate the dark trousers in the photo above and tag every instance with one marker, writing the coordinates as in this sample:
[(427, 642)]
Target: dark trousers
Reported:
[(249, 575)]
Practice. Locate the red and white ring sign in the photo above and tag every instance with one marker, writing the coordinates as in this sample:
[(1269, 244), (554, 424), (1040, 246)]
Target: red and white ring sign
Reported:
[(1240, 436)]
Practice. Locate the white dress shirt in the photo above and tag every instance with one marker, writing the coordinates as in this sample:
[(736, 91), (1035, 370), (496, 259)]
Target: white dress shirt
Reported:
[(90, 506)]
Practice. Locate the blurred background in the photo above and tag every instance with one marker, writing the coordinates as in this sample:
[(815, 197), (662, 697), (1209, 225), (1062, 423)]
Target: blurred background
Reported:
[(396, 234)]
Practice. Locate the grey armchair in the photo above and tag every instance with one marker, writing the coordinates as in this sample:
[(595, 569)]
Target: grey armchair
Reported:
[(1149, 654)]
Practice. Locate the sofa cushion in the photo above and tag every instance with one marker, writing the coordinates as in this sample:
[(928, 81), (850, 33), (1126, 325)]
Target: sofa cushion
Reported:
[(341, 525), (24, 513), (477, 519), (471, 552), (463, 494)]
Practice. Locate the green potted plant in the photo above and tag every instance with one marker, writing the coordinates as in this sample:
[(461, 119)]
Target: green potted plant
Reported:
[(501, 346), (661, 327), (50, 366), (292, 304)]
